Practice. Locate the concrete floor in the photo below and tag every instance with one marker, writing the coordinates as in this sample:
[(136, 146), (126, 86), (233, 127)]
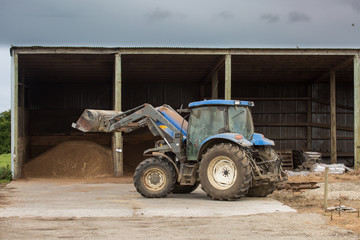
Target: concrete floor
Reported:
[(53, 209), (75, 199)]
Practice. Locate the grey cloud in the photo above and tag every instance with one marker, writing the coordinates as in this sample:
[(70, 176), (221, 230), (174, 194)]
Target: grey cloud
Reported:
[(295, 16), (355, 4), (271, 18), (225, 15), (159, 14)]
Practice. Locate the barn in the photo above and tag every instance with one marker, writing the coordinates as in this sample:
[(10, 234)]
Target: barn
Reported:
[(304, 98)]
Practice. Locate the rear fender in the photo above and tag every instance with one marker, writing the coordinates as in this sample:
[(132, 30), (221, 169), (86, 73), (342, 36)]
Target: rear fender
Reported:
[(259, 140), (223, 138)]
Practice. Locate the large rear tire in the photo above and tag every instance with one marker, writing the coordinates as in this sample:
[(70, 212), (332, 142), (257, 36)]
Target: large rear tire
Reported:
[(185, 188), (225, 172), (154, 178)]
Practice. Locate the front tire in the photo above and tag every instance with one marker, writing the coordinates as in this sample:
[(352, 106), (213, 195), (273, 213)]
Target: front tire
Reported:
[(225, 172), (154, 178)]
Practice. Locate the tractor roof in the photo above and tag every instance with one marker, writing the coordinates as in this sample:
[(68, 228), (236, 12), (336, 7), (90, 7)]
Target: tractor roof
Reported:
[(219, 102)]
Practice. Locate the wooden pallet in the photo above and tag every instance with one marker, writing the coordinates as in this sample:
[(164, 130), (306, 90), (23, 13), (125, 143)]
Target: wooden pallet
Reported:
[(287, 159)]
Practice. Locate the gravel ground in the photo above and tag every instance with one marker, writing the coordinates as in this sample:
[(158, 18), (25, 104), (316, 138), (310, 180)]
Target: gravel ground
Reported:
[(285, 226), (347, 190)]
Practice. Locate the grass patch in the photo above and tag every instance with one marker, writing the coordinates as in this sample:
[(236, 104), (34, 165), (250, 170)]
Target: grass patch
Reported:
[(5, 159), (5, 171)]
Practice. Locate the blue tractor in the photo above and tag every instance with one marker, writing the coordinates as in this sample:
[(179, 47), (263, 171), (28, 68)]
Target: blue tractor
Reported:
[(216, 148)]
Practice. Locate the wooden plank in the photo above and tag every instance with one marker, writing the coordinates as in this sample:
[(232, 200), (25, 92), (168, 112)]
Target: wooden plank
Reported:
[(202, 91), (293, 99), (340, 66), (333, 116), (309, 118), (15, 164), (215, 85), (117, 137), (357, 112), (328, 103), (273, 98), (339, 154), (215, 69), (301, 124), (228, 77)]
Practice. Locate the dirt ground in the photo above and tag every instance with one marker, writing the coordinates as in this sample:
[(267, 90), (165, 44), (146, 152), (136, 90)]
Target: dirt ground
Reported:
[(265, 226), (343, 190)]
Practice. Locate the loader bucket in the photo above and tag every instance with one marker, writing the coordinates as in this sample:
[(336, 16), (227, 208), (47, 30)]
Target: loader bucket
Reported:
[(94, 120)]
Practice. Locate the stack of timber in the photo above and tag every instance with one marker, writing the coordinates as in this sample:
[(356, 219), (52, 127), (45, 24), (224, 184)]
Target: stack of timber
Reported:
[(287, 159)]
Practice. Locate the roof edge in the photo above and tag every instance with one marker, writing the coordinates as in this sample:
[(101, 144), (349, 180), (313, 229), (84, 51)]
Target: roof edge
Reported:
[(181, 50)]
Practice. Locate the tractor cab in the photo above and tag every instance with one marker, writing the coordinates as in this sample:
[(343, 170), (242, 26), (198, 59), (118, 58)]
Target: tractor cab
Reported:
[(218, 118)]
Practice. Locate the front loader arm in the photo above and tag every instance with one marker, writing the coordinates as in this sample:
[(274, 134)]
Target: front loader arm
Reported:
[(121, 121), (141, 116)]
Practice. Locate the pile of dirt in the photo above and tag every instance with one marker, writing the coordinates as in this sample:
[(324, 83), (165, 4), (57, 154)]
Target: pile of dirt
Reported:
[(72, 159)]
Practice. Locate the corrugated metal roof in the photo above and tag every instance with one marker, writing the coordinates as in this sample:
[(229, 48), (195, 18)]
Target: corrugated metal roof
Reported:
[(180, 47)]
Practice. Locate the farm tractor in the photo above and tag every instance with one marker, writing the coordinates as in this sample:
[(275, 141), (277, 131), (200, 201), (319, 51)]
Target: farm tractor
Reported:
[(216, 148)]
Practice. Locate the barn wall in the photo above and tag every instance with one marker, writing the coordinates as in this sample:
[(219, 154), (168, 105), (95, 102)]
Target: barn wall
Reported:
[(267, 112), (54, 107), (56, 90), (344, 119), (173, 94), (294, 112)]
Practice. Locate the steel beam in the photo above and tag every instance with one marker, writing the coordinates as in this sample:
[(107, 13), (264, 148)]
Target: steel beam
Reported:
[(333, 117), (357, 112), (228, 77), (117, 137)]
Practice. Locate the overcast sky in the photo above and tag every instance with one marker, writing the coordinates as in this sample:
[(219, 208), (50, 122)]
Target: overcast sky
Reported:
[(196, 23)]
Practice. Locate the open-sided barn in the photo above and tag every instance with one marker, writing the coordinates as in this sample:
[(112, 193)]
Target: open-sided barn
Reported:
[(304, 98)]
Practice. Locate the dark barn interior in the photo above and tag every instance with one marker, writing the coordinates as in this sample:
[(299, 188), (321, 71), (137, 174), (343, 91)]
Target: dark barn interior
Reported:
[(291, 95)]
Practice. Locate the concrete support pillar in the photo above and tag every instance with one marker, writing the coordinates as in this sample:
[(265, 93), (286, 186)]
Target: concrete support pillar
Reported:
[(214, 85), (309, 118), (15, 164), (117, 136), (228, 77), (333, 117), (357, 112)]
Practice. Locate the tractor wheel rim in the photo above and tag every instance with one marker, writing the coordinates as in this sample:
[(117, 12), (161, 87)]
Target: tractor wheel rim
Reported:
[(222, 172), (154, 179)]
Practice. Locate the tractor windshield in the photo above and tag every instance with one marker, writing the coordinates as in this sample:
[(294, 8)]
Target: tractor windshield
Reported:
[(240, 121), (204, 122), (212, 120)]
